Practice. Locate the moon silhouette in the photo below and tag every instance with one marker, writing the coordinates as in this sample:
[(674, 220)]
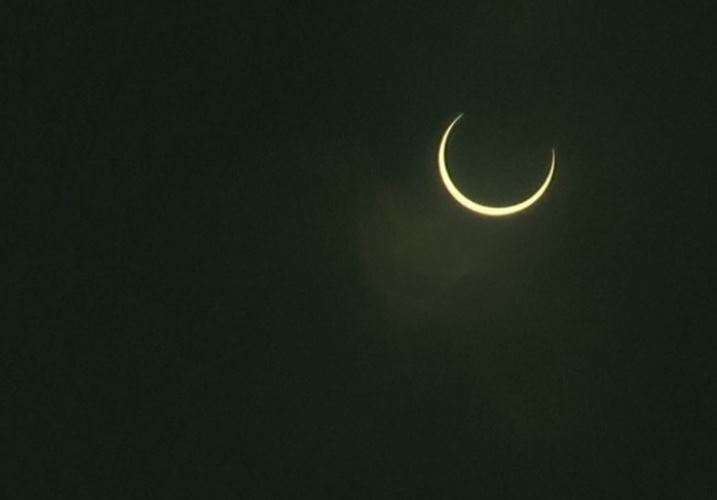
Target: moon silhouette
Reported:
[(477, 207)]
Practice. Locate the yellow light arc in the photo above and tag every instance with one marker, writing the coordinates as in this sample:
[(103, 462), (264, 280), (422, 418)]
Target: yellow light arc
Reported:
[(477, 207)]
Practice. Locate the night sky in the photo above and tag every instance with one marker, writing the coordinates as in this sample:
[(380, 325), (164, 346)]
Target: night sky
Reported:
[(230, 269)]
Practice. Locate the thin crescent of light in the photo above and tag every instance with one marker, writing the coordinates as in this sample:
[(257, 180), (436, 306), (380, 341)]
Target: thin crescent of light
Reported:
[(477, 207)]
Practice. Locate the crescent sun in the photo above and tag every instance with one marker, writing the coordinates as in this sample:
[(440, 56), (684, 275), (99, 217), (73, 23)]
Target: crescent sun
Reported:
[(477, 207)]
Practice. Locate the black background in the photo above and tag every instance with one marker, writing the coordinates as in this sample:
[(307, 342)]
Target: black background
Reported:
[(231, 270)]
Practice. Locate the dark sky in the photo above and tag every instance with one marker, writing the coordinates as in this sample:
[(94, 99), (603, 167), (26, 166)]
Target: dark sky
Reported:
[(231, 270)]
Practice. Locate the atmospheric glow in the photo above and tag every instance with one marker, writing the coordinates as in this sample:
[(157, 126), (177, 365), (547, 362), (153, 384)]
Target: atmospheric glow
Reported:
[(477, 207)]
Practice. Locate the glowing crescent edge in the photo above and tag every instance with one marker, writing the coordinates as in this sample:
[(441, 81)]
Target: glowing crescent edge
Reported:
[(476, 207)]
